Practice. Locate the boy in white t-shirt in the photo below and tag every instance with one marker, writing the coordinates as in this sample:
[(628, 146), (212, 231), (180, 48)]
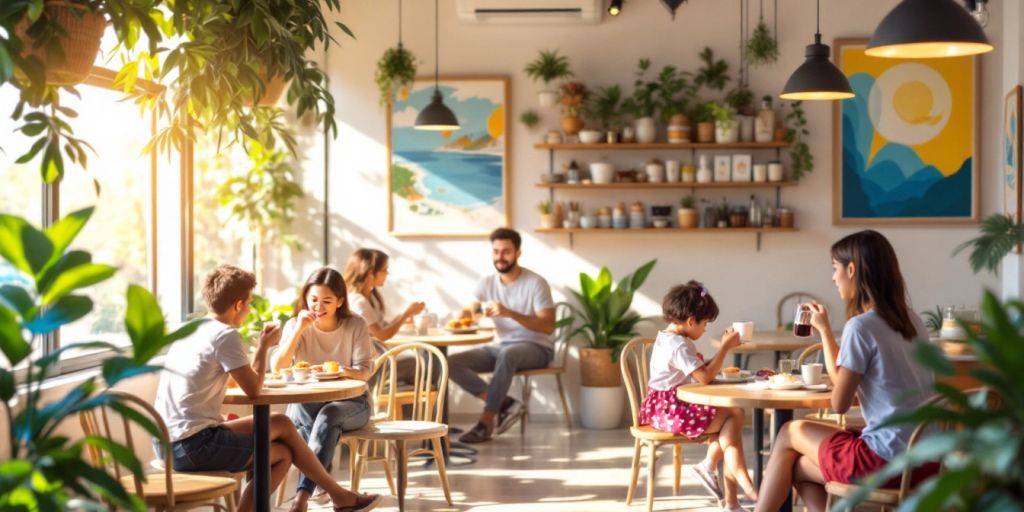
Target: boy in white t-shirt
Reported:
[(191, 392)]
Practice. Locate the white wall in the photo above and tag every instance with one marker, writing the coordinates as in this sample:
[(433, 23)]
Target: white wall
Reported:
[(1013, 74), (746, 283)]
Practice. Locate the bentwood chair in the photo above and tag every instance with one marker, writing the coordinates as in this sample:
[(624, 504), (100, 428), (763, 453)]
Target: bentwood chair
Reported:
[(424, 424), (165, 491), (635, 363), (890, 499), (852, 418), (556, 369)]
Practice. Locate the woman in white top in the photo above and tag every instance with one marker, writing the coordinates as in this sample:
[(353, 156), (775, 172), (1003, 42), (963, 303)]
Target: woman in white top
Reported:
[(875, 362), (367, 270), (325, 330)]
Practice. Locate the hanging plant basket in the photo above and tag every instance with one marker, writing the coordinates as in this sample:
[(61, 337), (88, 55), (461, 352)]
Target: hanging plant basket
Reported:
[(273, 89), (77, 50)]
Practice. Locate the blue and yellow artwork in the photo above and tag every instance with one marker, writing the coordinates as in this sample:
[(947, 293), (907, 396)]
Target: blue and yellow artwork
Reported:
[(450, 183), (906, 140), (1011, 155)]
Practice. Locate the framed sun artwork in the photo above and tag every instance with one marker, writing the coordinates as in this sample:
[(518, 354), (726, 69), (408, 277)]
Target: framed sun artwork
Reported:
[(1012, 154), (450, 183), (906, 146)]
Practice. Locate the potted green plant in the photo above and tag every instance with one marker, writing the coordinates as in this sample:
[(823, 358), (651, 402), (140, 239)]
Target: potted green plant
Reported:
[(713, 73), (801, 161), (607, 323), (998, 236), (687, 214), (981, 445), (704, 118), (547, 218), (726, 130), (549, 67), (62, 37), (605, 108), (574, 97), (643, 104), (215, 59), (529, 118), (741, 99), (396, 70), (43, 469), (762, 47)]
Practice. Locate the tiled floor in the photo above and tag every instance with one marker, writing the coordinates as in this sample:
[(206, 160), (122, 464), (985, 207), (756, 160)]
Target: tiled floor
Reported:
[(550, 469)]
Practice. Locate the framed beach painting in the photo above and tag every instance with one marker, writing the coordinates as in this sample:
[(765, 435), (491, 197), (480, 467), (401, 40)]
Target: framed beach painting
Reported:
[(906, 147), (450, 183), (1012, 155)]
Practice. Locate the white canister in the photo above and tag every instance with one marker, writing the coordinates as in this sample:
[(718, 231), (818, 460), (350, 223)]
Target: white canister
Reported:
[(655, 171), (602, 172), (672, 170), (704, 174), (760, 173), (774, 171), (746, 128), (588, 221), (646, 130)]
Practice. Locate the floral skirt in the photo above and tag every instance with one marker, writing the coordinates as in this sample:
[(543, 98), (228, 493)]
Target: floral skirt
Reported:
[(664, 411)]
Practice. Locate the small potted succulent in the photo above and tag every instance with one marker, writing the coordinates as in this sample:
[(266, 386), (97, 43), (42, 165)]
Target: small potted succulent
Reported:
[(549, 67), (396, 70), (687, 214), (547, 217), (574, 97)]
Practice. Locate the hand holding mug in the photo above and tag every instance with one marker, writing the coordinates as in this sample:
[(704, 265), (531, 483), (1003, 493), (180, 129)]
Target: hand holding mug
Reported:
[(819, 317), (495, 309), (730, 339)]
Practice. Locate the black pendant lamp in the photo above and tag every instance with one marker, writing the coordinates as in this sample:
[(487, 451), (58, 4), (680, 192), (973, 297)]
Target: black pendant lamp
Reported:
[(436, 116), (926, 29), (817, 78)]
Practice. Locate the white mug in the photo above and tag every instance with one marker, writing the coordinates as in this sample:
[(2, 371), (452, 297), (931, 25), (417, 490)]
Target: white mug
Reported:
[(811, 373), (745, 330), (422, 324)]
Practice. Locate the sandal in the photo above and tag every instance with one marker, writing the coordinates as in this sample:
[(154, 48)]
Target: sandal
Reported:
[(363, 503)]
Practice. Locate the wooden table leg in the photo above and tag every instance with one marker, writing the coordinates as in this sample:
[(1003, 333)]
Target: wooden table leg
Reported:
[(758, 431), (261, 457)]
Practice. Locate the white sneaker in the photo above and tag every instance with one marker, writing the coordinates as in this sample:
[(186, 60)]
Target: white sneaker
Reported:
[(709, 479)]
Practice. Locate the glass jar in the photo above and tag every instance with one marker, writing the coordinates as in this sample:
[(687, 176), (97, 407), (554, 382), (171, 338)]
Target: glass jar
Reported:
[(786, 219)]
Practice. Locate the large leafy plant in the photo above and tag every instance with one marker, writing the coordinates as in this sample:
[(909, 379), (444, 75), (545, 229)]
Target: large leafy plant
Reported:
[(982, 450), (395, 69), (548, 67), (999, 235), (46, 471), (214, 59), (262, 312), (603, 310)]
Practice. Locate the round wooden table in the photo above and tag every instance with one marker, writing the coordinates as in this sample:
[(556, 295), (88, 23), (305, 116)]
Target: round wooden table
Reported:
[(293, 393), (443, 339), (740, 395), (779, 342)]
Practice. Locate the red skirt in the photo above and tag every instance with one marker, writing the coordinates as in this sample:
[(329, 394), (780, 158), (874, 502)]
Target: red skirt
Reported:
[(844, 456), (664, 411)]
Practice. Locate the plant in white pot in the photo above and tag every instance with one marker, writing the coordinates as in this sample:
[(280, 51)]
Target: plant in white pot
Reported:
[(549, 67), (643, 103), (606, 321), (726, 128)]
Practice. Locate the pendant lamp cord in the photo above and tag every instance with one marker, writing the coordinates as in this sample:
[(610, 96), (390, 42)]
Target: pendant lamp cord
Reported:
[(399, 23), (436, 66), (817, 29), (760, 12), (775, 20)]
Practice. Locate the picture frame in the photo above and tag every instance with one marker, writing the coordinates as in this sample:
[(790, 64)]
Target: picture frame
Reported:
[(741, 168), (1012, 154), (450, 184), (723, 168), (913, 156)]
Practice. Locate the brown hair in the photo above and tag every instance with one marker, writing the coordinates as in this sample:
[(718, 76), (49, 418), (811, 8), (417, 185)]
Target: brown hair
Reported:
[(689, 300), (331, 278), (507, 234), (361, 267), (878, 282), (226, 285)]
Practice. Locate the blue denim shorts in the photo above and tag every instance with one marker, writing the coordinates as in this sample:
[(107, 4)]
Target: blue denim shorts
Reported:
[(213, 449)]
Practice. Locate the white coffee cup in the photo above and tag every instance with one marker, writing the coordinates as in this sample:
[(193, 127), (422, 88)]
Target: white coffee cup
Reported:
[(745, 330), (300, 374), (422, 324), (811, 373)]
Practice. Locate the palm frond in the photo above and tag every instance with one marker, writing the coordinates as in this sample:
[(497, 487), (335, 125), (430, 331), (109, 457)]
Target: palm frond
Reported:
[(999, 235)]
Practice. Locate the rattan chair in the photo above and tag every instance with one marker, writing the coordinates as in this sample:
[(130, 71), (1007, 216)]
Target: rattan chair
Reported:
[(635, 372), (165, 491)]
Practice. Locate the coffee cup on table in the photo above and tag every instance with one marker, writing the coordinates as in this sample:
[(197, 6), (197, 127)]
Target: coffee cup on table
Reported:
[(811, 373), (300, 374), (744, 329)]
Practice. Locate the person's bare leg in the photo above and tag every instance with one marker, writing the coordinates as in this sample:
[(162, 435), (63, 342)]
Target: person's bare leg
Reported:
[(301, 502), (797, 438), (731, 439), (282, 430), (280, 463), (810, 484), (713, 455)]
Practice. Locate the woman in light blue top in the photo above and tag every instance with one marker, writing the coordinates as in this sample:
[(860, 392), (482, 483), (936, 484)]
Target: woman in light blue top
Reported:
[(875, 362)]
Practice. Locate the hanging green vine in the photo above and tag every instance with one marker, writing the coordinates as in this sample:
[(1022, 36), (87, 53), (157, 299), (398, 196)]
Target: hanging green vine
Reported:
[(762, 47), (801, 159)]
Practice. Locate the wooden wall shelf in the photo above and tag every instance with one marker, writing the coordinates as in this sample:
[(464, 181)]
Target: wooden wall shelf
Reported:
[(669, 185), (688, 146), (652, 231)]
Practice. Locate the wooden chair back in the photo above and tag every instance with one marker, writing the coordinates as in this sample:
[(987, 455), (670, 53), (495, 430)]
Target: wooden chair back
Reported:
[(562, 311), (634, 361), (109, 424), (807, 354), (430, 380)]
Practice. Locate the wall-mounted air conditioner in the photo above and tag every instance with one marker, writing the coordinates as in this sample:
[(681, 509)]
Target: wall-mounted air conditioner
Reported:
[(530, 11)]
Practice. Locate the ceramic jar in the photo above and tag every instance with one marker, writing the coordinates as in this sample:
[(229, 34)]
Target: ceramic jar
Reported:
[(775, 171), (655, 171), (646, 130), (672, 169), (760, 173), (764, 124)]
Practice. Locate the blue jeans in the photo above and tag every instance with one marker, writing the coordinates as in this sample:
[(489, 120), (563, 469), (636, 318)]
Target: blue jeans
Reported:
[(504, 360), (321, 425)]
